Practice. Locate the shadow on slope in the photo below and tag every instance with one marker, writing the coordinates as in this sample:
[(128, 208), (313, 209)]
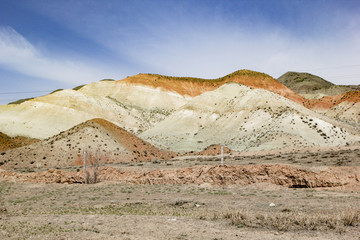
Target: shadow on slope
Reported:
[(7, 142)]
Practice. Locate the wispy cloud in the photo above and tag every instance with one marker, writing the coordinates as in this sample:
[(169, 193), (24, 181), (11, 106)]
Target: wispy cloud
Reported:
[(212, 53), (18, 54), (211, 38)]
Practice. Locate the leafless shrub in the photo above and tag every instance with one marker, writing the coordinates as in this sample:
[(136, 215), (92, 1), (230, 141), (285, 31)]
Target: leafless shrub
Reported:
[(93, 162)]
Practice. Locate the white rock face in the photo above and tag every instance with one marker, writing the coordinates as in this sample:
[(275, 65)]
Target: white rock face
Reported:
[(133, 107), (237, 116), (347, 112), (242, 119)]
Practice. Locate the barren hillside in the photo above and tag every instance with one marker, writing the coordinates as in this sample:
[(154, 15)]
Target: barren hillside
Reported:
[(99, 138), (339, 102), (132, 107), (312, 86), (7, 142), (136, 103), (347, 108), (190, 114), (242, 119), (196, 86)]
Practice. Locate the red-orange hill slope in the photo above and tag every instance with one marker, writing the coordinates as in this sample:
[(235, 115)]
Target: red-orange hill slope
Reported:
[(211, 150), (196, 86), (66, 148), (7, 142), (328, 102), (135, 148), (141, 150)]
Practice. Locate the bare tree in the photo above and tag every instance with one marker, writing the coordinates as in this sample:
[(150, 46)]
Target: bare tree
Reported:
[(93, 162)]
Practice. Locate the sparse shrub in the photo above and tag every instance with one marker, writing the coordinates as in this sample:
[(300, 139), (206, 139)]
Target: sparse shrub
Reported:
[(156, 161), (78, 87)]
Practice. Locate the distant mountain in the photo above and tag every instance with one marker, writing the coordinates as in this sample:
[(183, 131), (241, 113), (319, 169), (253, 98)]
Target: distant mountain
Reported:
[(336, 101), (98, 137), (303, 82), (312, 86)]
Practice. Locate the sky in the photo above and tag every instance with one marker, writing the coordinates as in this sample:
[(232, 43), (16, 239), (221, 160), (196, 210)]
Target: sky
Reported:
[(47, 45)]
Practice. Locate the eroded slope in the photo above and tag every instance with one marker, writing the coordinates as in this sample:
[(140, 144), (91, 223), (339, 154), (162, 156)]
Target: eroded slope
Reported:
[(7, 142), (283, 175), (132, 107), (196, 86), (99, 138), (242, 118)]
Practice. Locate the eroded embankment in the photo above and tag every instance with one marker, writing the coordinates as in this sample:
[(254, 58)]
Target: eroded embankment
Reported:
[(284, 175)]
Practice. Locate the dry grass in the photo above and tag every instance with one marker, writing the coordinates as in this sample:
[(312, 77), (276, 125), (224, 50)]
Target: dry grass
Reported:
[(288, 220), (48, 211)]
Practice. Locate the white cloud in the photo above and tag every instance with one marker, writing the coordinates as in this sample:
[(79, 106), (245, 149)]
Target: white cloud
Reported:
[(18, 54)]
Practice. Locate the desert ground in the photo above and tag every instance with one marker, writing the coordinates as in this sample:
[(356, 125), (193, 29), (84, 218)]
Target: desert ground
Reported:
[(150, 200)]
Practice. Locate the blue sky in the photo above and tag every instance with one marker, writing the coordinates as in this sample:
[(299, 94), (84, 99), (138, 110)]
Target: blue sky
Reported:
[(46, 45)]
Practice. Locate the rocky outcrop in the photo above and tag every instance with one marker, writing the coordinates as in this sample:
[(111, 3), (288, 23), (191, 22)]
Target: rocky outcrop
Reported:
[(283, 175)]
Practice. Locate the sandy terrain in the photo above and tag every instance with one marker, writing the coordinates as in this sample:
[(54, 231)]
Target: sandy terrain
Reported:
[(191, 197), (161, 211)]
